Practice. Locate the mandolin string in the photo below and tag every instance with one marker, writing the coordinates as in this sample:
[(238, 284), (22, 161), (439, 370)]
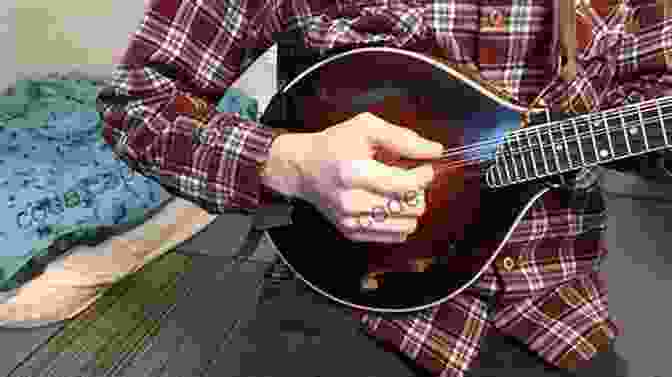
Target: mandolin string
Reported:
[(461, 163), (484, 157), (480, 159), (579, 138), (488, 143), (528, 131)]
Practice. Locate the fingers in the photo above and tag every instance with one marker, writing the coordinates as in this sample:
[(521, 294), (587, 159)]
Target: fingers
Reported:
[(377, 237), (359, 202), (402, 140), (367, 229), (377, 177), (390, 220), (365, 198), (367, 224)]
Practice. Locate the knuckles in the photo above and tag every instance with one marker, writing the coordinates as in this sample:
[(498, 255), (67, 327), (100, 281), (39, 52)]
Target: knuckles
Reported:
[(345, 173), (347, 224), (344, 203)]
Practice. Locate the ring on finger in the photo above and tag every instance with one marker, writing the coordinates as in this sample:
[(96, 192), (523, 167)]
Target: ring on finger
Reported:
[(394, 206), (378, 214), (365, 221), (414, 198)]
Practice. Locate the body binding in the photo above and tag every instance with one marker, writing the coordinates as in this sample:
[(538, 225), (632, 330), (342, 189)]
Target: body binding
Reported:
[(465, 223)]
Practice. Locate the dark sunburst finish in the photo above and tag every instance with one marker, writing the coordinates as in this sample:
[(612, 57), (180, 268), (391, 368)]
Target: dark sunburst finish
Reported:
[(465, 223)]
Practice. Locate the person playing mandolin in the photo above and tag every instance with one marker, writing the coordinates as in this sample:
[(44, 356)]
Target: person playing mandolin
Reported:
[(542, 303)]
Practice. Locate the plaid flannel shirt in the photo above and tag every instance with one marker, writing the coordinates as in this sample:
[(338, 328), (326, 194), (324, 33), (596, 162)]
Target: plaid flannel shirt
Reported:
[(160, 118)]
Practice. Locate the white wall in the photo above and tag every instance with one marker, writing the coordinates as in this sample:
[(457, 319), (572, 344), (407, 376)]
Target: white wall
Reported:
[(44, 36), (61, 36)]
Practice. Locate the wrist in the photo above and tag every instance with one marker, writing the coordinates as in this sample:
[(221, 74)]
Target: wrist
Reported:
[(280, 172)]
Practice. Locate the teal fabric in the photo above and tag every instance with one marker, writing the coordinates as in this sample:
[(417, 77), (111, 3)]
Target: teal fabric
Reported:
[(236, 101), (59, 180)]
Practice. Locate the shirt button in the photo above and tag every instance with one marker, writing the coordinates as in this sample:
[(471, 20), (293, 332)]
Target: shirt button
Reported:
[(633, 98), (508, 263), (496, 19)]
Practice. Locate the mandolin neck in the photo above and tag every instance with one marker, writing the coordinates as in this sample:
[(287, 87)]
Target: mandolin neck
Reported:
[(593, 139)]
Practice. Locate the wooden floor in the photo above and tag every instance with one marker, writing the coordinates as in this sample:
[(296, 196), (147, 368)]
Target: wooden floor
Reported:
[(178, 316), (186, 303)]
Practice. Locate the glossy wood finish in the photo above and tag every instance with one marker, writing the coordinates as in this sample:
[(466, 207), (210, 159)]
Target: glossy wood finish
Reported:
[(464, 220)]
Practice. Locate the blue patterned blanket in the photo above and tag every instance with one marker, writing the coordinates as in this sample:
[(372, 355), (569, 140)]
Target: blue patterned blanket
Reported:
[(58, 178)]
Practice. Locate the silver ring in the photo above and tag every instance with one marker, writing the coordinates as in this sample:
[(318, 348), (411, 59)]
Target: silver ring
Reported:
[(368, 222), (378, 214), (394, 206)]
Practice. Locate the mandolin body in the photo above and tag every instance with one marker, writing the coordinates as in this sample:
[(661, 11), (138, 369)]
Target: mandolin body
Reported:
[(465, 222)]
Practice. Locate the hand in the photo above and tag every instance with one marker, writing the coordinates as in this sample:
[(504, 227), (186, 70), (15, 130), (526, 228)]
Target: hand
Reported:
[(335, 171)]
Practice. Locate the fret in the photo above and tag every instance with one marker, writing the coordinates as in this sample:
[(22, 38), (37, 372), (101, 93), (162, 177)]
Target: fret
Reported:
[(619, 133), (588, 143), (631, 120), (506, 167), (653, 132), (662, 124), (594, 139), (541, 148), (571, 141), (556, 135), (497, 169), (625, 132), (600, 138), (490, 176), (610, 142), (532, 149), (664, 106), (578, 141), (586, 140), (641, 124), (508, 160), (522, 156), (513, 158), (553, 147), (567, 151)]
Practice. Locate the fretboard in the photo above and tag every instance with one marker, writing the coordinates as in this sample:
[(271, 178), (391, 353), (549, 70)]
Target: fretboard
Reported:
[(592, 139)]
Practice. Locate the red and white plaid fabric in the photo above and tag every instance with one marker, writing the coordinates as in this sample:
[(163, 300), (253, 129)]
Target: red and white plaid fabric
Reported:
[(159, 116)]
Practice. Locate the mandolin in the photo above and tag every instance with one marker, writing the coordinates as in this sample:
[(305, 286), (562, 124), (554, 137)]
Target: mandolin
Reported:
[(499, 160)]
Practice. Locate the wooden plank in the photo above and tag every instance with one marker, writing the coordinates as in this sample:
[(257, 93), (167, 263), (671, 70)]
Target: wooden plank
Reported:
[(19, 344), (220, 295), (127, 314)]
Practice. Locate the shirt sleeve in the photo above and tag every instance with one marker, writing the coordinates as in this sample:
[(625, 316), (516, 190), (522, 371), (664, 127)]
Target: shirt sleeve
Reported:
[(159, 108)]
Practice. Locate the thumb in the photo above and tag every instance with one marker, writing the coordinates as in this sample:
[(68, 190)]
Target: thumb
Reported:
[(405, 142), (378, 177)]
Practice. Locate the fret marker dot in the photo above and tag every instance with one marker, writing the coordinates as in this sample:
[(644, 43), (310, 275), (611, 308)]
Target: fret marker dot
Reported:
[(634, 131), (558, 147), (604, 153)]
